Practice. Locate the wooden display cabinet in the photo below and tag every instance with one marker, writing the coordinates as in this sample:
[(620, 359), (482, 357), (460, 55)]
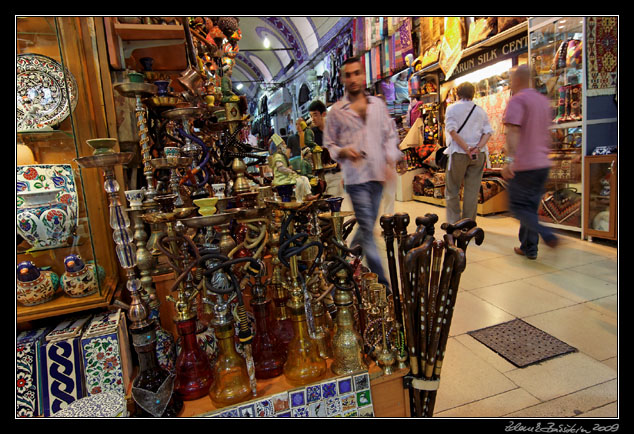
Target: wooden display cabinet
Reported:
[(600, 189), (71, 42)]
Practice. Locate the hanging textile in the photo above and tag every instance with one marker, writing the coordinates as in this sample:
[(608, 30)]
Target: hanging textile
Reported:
[(451, 45), (407, 45), (495, 105), (602, 46)]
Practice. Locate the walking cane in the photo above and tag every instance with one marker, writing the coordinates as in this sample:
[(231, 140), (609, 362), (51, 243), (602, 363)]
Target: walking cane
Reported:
[(387, 223)]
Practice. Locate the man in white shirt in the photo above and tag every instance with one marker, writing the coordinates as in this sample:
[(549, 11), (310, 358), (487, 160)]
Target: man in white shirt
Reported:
[(467, 153)]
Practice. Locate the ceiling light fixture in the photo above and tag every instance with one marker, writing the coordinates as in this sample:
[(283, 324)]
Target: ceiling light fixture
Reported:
[(267, 43), (239, 86)]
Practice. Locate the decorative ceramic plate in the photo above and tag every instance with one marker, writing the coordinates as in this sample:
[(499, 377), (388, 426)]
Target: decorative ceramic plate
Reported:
[(46, 92)]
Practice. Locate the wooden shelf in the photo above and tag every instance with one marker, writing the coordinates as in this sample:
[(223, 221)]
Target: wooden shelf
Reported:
[(145, 32), (62, 304)]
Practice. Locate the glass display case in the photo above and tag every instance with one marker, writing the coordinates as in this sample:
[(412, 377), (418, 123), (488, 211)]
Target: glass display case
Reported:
[(600, 216), (59, 210), (557, 71)]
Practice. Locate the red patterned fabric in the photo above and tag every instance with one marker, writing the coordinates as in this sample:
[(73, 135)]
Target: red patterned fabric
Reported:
[(602, 44)]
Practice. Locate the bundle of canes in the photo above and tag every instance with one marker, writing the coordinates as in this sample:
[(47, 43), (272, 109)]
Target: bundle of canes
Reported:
[(442, 299)]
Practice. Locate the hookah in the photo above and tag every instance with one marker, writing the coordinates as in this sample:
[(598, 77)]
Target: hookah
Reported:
[(347, 344), (193, 369), (303, 364), (283, 327), (385, 358), (139, 91), (153, 387), (234, 376), (269, 353), (146, 263)]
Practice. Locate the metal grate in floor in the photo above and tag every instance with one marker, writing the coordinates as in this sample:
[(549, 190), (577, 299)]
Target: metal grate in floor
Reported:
[(521, 343)]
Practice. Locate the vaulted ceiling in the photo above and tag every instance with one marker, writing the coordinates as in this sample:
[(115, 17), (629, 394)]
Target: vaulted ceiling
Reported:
[(294, 40)]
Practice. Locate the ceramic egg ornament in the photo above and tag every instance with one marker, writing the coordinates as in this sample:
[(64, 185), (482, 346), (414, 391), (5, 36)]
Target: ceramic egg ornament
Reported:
[(35, 286), (80, 279)]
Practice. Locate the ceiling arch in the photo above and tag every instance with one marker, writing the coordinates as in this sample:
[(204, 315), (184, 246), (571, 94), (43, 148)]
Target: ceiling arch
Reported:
[(295, 38)]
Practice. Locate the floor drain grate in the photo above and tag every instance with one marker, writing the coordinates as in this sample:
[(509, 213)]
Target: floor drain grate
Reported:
[(521, 343)]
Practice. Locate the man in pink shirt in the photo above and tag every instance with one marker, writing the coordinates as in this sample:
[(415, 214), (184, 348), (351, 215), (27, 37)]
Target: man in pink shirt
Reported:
[(527, 118)]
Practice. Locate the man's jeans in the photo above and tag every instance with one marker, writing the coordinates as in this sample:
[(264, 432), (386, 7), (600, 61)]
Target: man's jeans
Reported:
[(525, 193), (366, 199)]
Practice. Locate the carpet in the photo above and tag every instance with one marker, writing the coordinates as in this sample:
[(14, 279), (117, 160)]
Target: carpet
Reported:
[(602, 52)]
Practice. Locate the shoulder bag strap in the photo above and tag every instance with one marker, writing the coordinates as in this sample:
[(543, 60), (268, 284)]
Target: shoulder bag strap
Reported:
[(468, 116)]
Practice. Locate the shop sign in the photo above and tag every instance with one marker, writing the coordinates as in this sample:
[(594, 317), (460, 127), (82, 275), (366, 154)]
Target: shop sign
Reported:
[(503, 50)]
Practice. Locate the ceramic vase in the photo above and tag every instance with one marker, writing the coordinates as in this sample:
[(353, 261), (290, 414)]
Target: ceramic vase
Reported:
[(80, 279), (35, 286), (44, 221)]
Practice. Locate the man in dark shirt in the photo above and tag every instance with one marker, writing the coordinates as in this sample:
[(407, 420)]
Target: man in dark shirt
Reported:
[(333, 176)]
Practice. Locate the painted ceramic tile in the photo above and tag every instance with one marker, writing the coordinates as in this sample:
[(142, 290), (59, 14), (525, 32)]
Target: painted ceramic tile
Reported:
[(301, 411), (348, 401), (68, 329), (247, 410), (364, 398), (102, 364), (328, 389), (106, 404), (317, 409), (103, 323), (333, 406), (61, 373), (350, 413), (284, 414), (230, 413), (345, 385), (366, 411), (264, 408), (297, 397), (361, 382), (313, 393), (280, 402), (27, 349)]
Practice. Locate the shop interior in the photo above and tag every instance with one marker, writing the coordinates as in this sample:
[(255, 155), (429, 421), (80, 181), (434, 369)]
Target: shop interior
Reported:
[(167, 267)]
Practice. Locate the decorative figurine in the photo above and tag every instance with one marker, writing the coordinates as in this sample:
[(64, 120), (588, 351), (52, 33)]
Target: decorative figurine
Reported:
[(80, 279), (35, 286)]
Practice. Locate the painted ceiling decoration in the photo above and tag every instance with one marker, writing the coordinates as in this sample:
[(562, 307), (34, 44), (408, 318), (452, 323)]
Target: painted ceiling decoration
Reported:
[(294, 40)]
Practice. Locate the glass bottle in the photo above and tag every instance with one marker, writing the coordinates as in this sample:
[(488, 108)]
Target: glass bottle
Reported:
[(151, 377), (193, 370), (303, 364), (269, 354), (231, 378)]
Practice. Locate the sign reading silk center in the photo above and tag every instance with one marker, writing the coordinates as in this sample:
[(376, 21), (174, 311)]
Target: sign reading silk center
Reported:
[(503, 50)]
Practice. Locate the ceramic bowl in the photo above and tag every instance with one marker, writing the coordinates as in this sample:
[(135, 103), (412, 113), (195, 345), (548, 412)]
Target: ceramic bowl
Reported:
[(135, 197), (206, 206)]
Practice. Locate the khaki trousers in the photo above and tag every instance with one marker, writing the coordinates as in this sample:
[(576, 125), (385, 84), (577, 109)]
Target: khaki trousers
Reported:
[(463, 169)]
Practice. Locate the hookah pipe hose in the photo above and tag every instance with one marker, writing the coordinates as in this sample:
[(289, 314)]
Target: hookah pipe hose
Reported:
[(171, 257), (201, 166)]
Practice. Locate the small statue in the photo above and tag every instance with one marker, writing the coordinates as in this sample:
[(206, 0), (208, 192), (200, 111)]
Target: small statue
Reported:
[(283, 174), (226, 85), (35, 286), (81, 279)]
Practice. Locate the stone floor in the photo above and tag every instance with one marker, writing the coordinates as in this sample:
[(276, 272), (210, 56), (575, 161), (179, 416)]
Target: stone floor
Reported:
[(570, 292)]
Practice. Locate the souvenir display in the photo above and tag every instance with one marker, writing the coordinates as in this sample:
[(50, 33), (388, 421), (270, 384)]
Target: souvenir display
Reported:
[(46, 92)]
